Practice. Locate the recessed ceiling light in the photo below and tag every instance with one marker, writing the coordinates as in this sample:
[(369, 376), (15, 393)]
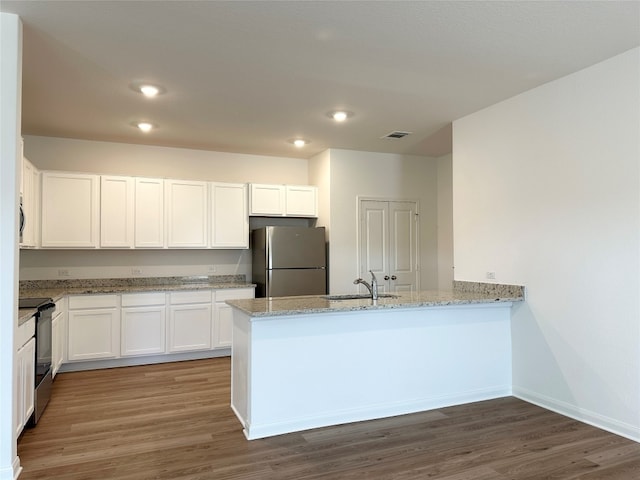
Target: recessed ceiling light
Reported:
[(340, 115), (147, 89), (299, 142), (144, 126)]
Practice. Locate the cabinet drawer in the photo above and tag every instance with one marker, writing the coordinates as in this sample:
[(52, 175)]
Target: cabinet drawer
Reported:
[(143, 299), (233, 294), (192, 296), (93, 301)]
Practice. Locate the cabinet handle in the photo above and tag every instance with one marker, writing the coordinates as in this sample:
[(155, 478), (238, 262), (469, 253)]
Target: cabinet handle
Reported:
[(393, 277), (386, 277)]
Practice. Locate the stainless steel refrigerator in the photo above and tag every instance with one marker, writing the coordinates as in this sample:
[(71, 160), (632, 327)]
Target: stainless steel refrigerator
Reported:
[(289, 261)]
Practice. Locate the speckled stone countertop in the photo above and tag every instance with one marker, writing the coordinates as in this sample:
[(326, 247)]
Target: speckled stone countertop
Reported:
[(463, 293), (56, 289)]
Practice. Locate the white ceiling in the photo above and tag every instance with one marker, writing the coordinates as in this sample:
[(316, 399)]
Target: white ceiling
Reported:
[(246, 76)]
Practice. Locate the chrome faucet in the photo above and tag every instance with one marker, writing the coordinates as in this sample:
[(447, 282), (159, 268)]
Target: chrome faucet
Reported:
[(373, 287)]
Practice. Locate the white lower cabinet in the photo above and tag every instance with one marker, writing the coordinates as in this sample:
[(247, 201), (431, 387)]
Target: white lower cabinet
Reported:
[(143, 324), (25, 375), (189, 321), (223, 314), (120, 327), (58, 336), (94, 327)]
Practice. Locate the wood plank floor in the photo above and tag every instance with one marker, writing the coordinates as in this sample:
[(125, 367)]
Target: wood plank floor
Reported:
[(173, 421)]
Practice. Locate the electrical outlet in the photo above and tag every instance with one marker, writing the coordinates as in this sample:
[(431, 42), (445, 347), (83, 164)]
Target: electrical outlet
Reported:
[(212, 269), (491, 275), (63, 272), (136, 271)]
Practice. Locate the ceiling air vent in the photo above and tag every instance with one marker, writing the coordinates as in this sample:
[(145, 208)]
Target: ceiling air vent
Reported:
[(396, 134)]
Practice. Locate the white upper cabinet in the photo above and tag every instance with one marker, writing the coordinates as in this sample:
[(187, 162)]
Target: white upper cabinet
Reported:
[(267, 199), (301, 201), (116, 212), (229, 215), (70, 210), (149, 213), (30, 190), (283, 200), (186, 213)]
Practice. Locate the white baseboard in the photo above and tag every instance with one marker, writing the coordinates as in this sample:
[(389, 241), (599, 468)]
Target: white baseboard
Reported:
[(255, 431), (17, 468), (632, 432), (142, 360), (11, 472)]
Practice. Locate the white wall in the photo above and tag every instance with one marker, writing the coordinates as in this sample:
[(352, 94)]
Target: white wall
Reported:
[(50, 153), (445, 222), (379, 175), (10, 152), (547, 194), (320, 176)]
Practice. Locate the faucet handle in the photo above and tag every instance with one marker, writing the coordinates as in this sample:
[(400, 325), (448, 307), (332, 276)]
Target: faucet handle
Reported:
[(373, 276)]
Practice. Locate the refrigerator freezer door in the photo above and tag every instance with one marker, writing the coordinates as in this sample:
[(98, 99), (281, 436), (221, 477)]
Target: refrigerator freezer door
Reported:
[(292, 282), (293, 247)]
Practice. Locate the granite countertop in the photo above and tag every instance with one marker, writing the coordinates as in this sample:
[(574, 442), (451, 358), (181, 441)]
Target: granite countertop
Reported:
[(56, 289), (463, 293)]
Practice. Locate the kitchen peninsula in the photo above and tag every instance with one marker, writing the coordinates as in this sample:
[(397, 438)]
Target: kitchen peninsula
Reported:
[(306, 362)]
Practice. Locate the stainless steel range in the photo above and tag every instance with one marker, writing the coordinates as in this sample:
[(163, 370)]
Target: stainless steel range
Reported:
[(43, 376)]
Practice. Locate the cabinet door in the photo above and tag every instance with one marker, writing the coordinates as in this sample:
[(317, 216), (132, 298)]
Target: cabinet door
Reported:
[(229, 215), (223, 315), (189, 327), (18, 396), (25, 384), (56, 345), (143, 330), (58, 335), (302, 201), (30, 196), (267, 200), (70, 206), (186, 214), (93, 334), (116, 212), (223, 325), (149, 213)]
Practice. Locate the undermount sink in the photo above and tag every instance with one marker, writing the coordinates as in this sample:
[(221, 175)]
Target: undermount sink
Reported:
[(358, 296)]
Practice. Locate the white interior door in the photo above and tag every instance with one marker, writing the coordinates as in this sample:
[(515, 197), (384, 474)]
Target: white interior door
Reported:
[(388, 244)]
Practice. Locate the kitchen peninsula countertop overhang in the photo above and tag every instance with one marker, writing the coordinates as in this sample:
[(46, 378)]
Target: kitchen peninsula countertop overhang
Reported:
[(463, 293)]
